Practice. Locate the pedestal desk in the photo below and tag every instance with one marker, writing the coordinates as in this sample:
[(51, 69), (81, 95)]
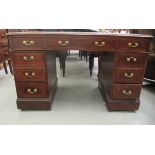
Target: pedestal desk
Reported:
[(122, 64)]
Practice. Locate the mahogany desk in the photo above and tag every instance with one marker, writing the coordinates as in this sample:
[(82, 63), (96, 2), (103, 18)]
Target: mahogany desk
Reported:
[(121, 65)]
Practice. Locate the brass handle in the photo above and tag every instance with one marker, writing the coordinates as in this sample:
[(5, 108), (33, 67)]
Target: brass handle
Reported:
[(133, 45), (63, 44), (3, 35), (29, 90), (30, 58), (4, 45), (28, 42), (133, 59), (30, 74), (129, 75), (99, 44), (127, 92)]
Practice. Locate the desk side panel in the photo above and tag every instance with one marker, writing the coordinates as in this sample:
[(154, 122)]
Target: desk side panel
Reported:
[(51, 70), (106, 66)]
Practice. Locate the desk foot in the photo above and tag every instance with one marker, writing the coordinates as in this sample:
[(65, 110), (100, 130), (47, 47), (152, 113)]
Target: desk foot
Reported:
[(118, 105), (37, 103)]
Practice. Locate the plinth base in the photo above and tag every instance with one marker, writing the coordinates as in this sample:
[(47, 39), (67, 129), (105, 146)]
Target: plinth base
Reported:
[(37, 103), (118, 105)]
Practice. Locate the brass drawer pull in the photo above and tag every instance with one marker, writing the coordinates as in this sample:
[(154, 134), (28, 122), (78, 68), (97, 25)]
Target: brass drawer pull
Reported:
[(63, 44), (133, 59), (4, 45), (3, 35), (28, 42), (29, 90), (127, 92), (30, 74), (101, 44), (133, 45), (30, 58), (129, 75)]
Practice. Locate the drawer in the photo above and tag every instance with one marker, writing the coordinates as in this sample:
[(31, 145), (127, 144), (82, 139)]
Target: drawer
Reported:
[(62, 43), (28, 90), (81, 43), (129, 60), (128, 75), (98, 43), (30, 74), (126, 91), (28, 59), (134, 44), (26, 43)]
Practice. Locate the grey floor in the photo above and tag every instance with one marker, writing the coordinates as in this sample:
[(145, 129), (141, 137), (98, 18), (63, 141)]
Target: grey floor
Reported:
[(77, 101)]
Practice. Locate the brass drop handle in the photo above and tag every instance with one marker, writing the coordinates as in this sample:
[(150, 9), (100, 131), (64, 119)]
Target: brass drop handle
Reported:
[(29, 74), (3, 35), (100, 44), (5, 44), (63, 44), (29, 90), (28, 42), (133, 45), (127, 92), (30, 58), (133, 59), (129, 75)]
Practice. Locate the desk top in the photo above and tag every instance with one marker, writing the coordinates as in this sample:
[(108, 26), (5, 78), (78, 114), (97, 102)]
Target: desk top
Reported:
[(77, 34)]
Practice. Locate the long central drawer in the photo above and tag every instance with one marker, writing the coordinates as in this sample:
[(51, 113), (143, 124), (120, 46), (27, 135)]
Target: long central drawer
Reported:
[(63, 43)]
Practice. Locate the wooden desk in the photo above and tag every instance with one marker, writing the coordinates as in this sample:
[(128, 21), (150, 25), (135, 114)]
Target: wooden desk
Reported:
[(121, 65)]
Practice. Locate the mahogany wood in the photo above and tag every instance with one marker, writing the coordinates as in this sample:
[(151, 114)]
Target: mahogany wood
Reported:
[(42, 90), (143, 44), (18, 59), (128, 75), (118, 90), (34, 74), (119, 54), (141, 60)]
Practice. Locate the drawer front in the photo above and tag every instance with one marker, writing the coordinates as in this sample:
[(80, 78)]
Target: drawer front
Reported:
[(81, 43), (129, 60), (28, 59), (126, 91), (98, 44), (26, 43), (30, 74), (62, 43), (28, 90), (128, 75), (134, 44)]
